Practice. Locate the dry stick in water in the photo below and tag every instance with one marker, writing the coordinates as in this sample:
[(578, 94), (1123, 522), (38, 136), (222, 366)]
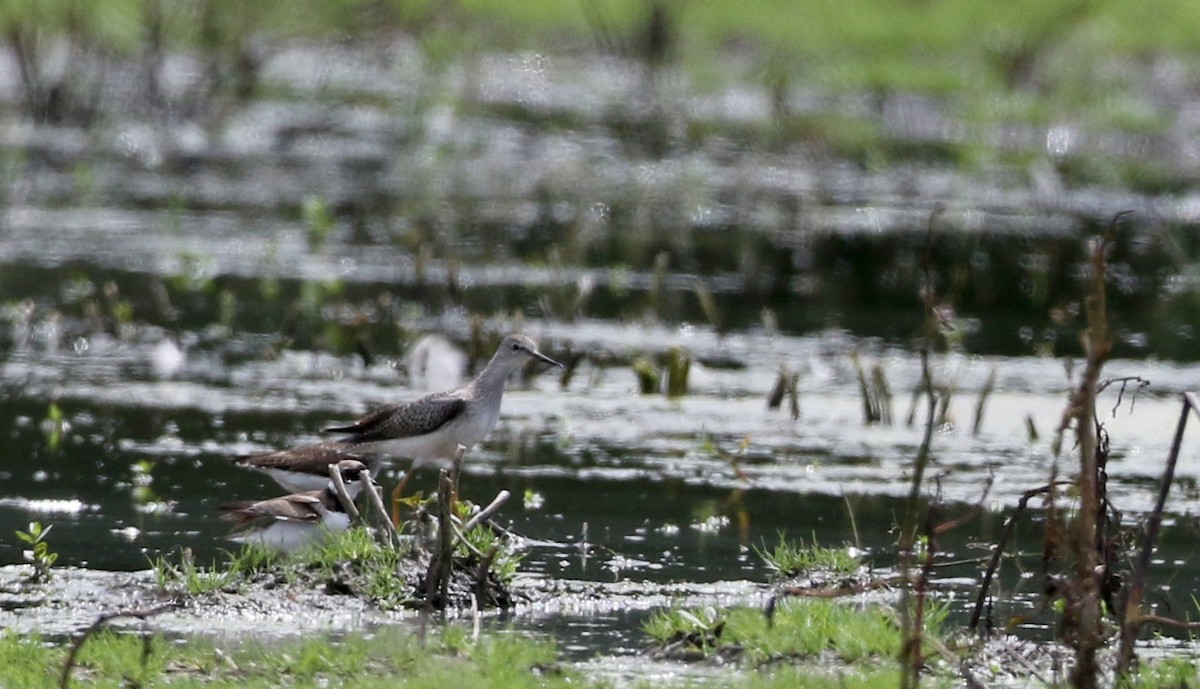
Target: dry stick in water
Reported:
[(339, 487), (456, 471), (376, 500), (1009, 526), (1083, 600), (437, 577), (984, 394), (100, 623), (1131, 625), (910, 649), (487, 512), (870, 408), (882, 392)]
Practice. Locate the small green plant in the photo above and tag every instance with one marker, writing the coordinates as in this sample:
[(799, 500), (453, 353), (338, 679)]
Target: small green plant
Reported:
[(354, 561), (800, 628), (54, 427), (39, 554), (533, 500), (482, 539), (695, 631), (679, 362), (318, 220), (790, 558), (648, 375), (254, 558), (188, 577)]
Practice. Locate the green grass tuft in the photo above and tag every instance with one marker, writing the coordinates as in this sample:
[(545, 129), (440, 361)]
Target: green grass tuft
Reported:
[(801, 628), (791, 558)]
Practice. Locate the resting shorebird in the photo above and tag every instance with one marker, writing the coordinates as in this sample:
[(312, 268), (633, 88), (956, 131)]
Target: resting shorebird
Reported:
[(428, 429), (291, 521)]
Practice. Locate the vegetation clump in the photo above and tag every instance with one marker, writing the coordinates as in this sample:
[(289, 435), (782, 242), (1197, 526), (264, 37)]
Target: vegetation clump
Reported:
[(355, 563), (38, 554), (799, 630), (792, 559)]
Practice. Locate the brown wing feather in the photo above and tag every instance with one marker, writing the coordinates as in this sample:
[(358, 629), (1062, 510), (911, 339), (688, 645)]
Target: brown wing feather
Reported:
[(298, 507), (314, 458), (426, 415)]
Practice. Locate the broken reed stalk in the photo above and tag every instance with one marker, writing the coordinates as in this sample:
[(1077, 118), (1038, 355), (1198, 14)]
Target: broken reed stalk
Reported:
[(793, 386), (376, 500), (1132, 604), (487, 512), (456, 471), (910, 649), (481, 575), (882, 392), (101, 622), (776, 397), (984, 394), (786, 385), (339, 487), (437, 577), (1083, 600), (679, 362), (870, 406), (1005, 536)]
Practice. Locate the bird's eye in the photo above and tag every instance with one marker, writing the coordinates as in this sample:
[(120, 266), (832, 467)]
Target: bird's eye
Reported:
[(516, 346)]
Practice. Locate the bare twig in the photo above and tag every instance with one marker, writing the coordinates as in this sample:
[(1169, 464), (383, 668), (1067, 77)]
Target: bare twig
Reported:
[(984, 394), (487, 512), (456, 471), (910, 619), (376, 501), (1133, 594), (1009, 526), (101, 622), (437, 577), (481, 574), (1082, 615), (1125, 382), (1167, 622), (339, 486)]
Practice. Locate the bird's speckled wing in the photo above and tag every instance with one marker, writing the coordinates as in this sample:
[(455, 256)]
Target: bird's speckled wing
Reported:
[(298, 507), (394, 421), (314, 458)]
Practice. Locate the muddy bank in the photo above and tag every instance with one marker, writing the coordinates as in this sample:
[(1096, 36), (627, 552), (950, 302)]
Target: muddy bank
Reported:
[(74, 597)]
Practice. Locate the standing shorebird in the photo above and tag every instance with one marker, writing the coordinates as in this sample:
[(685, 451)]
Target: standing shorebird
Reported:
[(291, 521), (428, 429)]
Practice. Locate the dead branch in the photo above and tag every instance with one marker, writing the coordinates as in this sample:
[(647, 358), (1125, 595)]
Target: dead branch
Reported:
[(376, 501), (437, 577), (101, 622), (344, 498), (486, 513), (1132, 607), (1009, 527)]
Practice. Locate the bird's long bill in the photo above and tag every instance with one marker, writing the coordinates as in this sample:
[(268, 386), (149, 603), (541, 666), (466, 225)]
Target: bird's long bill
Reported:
[(548, 360)]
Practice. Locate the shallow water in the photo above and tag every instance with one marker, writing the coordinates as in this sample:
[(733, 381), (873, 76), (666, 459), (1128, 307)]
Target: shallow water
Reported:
[(162, 288)]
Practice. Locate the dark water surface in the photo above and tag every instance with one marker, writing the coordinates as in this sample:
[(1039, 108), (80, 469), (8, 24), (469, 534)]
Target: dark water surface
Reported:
[(172, 292)]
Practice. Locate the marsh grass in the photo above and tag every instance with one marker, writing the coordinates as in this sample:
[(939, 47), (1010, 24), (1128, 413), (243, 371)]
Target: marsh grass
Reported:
[(813, 645), (801, 628), (384, 659), (190, 578), (350, 562), (484, 539), (789, 558)]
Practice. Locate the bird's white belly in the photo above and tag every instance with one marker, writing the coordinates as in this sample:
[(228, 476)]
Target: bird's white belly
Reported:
[(285, 535), (468, 431)]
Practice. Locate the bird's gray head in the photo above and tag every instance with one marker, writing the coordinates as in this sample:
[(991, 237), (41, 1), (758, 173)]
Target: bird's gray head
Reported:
[(517, 348)]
